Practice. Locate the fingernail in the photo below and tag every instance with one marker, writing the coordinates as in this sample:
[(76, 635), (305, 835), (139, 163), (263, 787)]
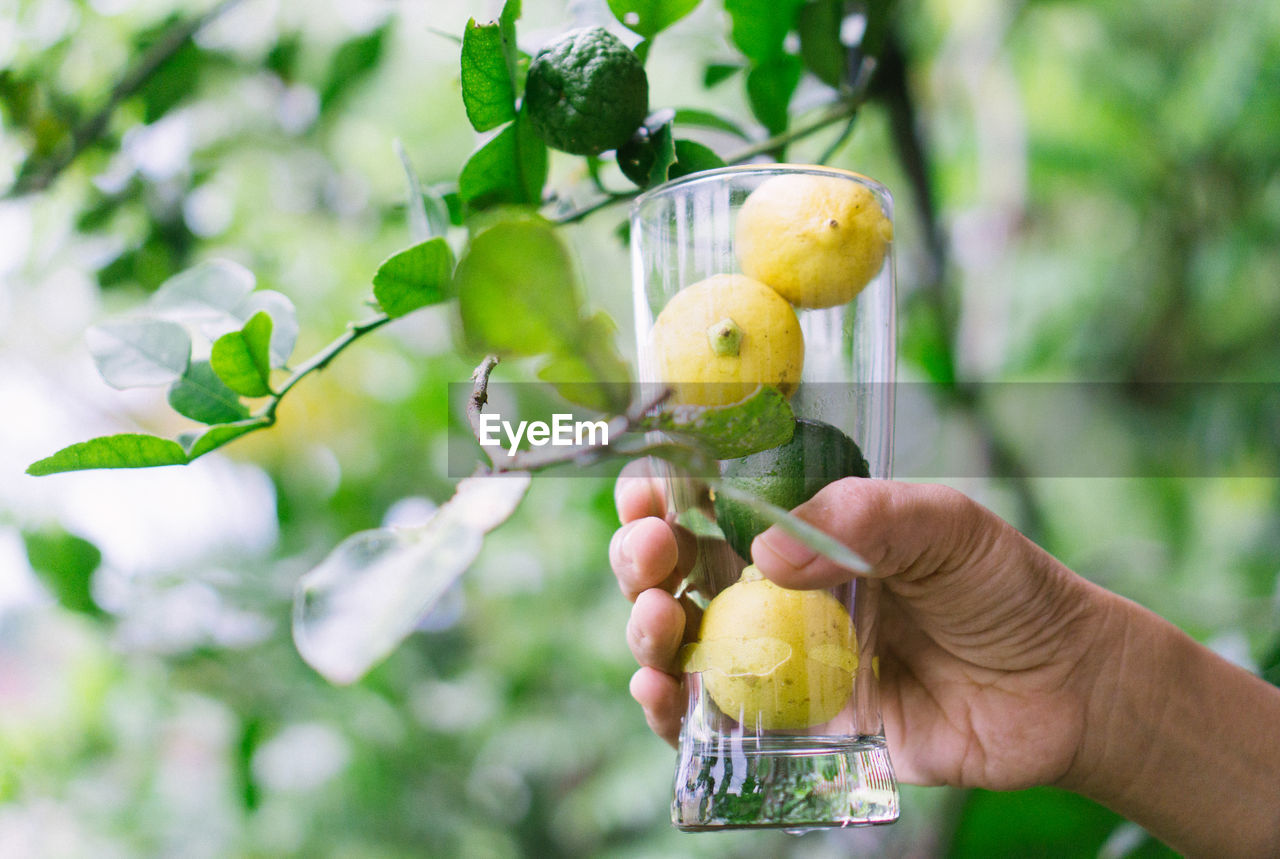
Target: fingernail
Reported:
[(787, 548)]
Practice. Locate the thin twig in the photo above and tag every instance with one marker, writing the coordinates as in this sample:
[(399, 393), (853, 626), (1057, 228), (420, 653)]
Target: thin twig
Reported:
[(641, 409), (576, 215), (844, 109), (479, 397), (837, 111), (92, 129), (834, 146), (322, 358)]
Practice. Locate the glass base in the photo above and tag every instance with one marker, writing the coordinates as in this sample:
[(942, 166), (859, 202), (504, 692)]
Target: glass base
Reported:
[(792, 783)]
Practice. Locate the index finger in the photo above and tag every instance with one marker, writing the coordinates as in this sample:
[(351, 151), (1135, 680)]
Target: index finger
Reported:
[(639, 493)]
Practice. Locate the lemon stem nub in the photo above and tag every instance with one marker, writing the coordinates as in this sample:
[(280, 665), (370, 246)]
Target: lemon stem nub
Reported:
[(725, 337)]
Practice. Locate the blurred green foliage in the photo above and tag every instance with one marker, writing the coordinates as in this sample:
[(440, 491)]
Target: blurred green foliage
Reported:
[(1108, 180)]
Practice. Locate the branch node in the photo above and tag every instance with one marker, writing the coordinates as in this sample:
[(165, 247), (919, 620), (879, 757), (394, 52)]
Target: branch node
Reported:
[(480, 396)]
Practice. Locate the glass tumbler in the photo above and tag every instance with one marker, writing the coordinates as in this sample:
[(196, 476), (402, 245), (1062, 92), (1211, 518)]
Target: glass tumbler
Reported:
[(783, 726)]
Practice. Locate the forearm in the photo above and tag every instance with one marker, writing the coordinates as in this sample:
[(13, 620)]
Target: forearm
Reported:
[(1179, 740)]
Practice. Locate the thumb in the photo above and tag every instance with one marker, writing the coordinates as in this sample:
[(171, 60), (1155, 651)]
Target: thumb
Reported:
[(900, 528)]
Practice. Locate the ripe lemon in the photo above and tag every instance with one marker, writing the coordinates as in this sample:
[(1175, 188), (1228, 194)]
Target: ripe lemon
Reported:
[(586, 92), (773, 658), (720, 338), (817, 240)]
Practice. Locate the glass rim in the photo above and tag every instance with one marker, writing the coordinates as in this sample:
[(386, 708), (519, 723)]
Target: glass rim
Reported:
[(732, 169)]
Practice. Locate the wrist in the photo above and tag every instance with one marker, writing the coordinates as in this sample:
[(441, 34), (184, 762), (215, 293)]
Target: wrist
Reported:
[(1112, 689), (1176, 738)]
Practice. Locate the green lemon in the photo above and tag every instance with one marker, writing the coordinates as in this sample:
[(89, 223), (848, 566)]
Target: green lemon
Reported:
[(786, 476), (773, 658), (586, 92)]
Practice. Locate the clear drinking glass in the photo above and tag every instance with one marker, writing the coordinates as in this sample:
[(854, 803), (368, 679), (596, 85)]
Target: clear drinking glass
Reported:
[(735, 769)]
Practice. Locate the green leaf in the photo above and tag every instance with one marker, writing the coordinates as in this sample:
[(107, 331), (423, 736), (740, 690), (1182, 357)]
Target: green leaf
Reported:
[(218, 296), (415, 277), (650, 17), (593, 374), (284, 321), (820, 48), (65, 564), (707, 119), (760, 421), (420, 228), (507, 27), (879, 16), (197, 444), (132, 353), (361, 601), (427, 212), (1041, 821), (174, 81), (242, 358), (128, 450), (251, 739), (518, 292), (760, 26), (202, 396), (488, 86), (510, 168), (438, 216), (718, 73), (770, 86), (354, 61), (208, 291), (691, 157), (793, 526), (695, 520), (664, 155), (453, 204), (1269, 665), (283, 56), (924, 341)]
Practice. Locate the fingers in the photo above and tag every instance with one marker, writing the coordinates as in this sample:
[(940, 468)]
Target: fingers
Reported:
[(638, 493), (644, 554), (656, 629), (897, 527), (663, 700), (654, 634)]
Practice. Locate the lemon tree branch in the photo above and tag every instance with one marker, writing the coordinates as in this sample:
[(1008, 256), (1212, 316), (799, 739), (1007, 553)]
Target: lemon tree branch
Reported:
[(92, 128), (321, 359), (479, 397), (845, 110)]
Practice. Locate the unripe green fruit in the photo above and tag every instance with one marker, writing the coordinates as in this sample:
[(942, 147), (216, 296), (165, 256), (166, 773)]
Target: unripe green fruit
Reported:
[(586, 92)]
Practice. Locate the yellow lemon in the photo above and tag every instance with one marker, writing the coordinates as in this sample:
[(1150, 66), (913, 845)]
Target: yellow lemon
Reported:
[(773, 658), (720, 338), (817, 240)]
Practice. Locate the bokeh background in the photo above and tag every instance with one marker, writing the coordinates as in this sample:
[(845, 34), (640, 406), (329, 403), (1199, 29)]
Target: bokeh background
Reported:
[(1100, 180)]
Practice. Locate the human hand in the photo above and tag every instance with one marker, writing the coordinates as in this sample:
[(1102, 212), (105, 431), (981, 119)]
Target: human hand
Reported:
[(999, 667), (984, 637)]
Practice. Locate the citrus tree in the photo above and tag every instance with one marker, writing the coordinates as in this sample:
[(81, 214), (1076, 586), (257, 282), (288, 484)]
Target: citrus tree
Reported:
[(1108, 175), (489, 242)]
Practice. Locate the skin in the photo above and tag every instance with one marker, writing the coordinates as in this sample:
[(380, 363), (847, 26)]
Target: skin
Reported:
[(1000, 667)]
